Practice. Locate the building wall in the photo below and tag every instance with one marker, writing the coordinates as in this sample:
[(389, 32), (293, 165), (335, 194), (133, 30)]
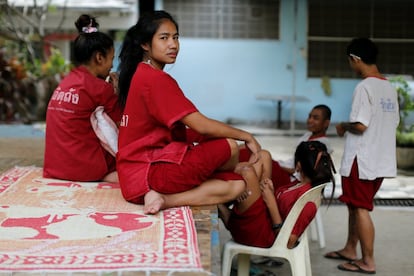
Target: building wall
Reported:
[(223, 77)]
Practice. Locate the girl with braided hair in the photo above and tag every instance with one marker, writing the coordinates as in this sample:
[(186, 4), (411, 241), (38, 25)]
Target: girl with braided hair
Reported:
[(268, 207)]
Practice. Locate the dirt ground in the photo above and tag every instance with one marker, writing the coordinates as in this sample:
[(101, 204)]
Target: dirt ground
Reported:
[(21, 152)]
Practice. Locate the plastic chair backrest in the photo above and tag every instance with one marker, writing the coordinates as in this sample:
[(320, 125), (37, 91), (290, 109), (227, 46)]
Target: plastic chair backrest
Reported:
[(313, 195)]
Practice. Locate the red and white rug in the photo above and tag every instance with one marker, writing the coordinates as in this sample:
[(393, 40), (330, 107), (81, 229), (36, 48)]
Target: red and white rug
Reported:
[(61, 226)]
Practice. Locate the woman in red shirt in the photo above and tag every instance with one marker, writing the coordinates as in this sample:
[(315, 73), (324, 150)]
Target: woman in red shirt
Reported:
[(72, 149), (257, 220), (170, 154)]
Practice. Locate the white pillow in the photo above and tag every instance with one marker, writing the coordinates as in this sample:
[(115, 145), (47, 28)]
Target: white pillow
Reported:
[(105, 129)]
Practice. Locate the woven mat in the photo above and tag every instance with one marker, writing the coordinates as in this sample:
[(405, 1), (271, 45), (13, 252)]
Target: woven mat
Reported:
[(54, 225)]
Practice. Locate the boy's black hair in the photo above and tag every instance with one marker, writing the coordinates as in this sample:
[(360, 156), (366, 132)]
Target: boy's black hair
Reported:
[(327, 113), (364, 49)]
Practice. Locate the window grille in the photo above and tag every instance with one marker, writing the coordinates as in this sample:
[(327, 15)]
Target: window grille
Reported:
[(332, 25), (237, 19)]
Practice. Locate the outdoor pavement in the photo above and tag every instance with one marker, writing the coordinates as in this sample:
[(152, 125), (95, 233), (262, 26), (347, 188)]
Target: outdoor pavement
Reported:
[(394, 242)]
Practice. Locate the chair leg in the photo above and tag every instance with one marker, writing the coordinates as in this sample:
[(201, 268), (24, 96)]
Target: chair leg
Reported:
[(321, 232), (307, 260), (243, 264), (313, 231), (226, 262), (300, 263), (316, 230)]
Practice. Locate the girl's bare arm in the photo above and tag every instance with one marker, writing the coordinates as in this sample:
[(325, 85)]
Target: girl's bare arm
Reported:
[(217, 129), (269, 198)]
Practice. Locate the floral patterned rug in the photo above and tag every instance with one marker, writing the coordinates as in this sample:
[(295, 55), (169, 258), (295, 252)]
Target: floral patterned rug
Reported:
[(62, 226)]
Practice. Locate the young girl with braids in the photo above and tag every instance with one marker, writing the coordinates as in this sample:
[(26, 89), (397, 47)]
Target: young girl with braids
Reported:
[(72, 149), (268, 207)]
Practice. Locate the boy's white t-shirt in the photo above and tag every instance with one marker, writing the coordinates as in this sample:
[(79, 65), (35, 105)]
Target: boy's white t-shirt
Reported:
[(374, 104)]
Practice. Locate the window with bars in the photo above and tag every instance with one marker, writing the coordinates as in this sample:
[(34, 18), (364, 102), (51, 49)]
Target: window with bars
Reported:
[(238, 19), (332, 25)]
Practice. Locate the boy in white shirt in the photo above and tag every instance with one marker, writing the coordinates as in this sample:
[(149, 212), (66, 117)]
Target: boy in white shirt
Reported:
[(369, 153)]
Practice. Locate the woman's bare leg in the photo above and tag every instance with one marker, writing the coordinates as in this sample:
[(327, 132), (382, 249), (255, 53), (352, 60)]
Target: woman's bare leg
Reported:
[(266, 164), (111, 177), (234, 157), (211, 192), (224, 214), (250, 176)]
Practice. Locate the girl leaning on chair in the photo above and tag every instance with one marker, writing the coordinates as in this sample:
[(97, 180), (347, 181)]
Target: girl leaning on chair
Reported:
[(256, 220)]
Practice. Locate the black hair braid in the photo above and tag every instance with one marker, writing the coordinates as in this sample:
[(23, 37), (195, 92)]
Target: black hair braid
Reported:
[(324, 169), (315, 161)]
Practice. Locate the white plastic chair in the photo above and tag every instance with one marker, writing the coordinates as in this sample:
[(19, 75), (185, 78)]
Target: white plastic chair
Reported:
[(298, 257)]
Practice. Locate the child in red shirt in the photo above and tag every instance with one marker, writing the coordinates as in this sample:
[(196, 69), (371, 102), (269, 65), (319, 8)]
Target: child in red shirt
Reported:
[(268, 207), (72, 150)]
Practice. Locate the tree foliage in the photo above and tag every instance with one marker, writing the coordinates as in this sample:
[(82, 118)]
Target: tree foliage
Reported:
[(25, 26)]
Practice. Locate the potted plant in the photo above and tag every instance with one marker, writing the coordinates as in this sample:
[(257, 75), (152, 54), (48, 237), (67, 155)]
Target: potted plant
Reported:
[(405, 131)]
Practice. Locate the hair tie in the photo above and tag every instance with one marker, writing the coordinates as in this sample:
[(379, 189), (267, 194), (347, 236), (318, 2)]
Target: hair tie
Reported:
[(318, 158), (89, 30)]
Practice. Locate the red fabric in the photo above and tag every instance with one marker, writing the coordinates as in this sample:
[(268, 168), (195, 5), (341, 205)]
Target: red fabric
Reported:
[(254, 226), (199, 164), (280, 177), (359, 193), (285, 199), (72, 150)]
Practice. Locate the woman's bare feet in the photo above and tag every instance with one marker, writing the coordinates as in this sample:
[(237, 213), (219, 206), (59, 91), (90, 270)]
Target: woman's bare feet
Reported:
[(153, 202)]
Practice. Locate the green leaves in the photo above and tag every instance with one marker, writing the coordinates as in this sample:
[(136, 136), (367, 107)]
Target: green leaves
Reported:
[(405, 101), (405, 139)]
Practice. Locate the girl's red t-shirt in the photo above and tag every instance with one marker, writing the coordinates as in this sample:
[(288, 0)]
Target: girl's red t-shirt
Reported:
[(72, 149), (150, 129), (254, 226)]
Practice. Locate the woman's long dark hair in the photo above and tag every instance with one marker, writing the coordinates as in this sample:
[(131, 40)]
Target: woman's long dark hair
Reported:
[(132, 52), (316, 162)]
